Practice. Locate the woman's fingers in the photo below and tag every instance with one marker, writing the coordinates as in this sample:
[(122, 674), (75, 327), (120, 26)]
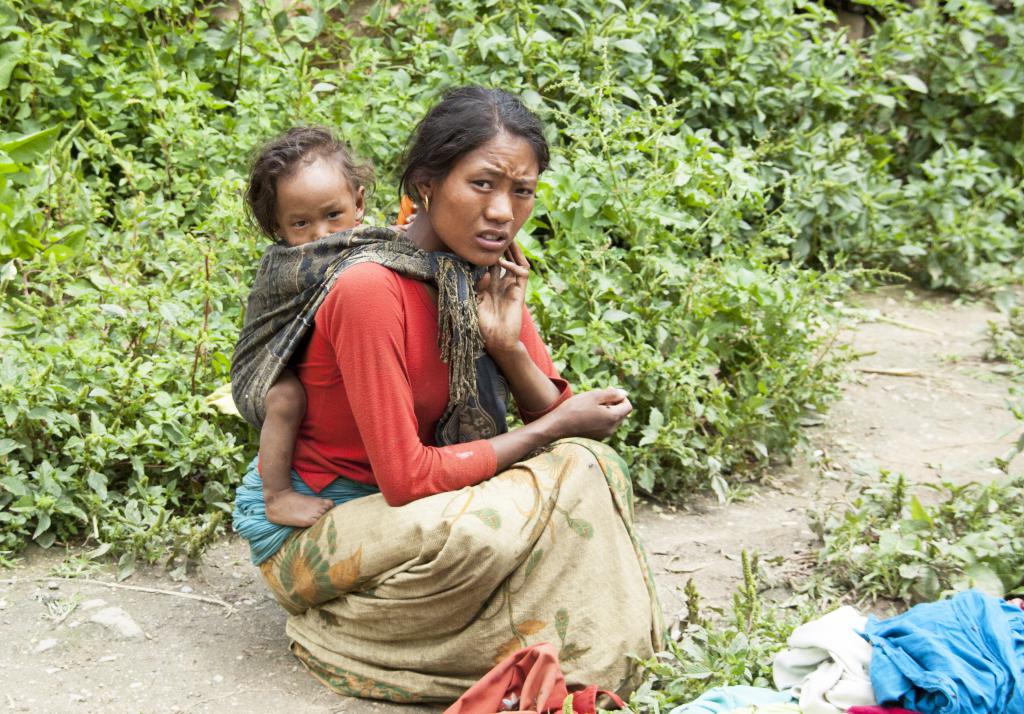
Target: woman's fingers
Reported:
[(517, 255), (619, 410), (612, 395), (516, 270), (484, 283)]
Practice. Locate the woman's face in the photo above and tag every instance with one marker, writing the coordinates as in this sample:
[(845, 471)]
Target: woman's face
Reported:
[(478, 208)]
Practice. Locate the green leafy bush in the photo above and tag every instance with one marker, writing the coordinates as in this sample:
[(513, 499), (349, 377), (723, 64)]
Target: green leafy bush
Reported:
[(718, 648), (711, 159), (887, 543), (1006, 341)]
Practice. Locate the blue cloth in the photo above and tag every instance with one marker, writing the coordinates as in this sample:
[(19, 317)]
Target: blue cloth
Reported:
[(724, 699), (250, 516), (959, 656)]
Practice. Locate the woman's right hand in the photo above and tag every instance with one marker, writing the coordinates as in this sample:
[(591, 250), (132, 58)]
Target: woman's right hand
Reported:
[(594, 415)]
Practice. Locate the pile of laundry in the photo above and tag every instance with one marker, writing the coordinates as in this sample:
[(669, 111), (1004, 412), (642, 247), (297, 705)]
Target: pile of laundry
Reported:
[(964, 655)]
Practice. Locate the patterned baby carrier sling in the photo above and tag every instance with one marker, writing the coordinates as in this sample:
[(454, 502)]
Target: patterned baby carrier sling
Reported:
[(291, 285)]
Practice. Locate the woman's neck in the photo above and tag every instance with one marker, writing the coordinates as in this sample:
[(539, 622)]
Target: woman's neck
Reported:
[(422, 234)]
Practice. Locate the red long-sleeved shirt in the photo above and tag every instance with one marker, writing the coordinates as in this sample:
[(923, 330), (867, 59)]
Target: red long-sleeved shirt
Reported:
[(376, 388)]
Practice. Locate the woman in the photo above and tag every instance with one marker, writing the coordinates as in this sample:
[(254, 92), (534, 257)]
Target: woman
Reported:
[(467, 553)]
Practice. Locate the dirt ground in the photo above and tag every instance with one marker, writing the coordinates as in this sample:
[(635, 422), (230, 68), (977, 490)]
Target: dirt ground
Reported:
[(920, 400)]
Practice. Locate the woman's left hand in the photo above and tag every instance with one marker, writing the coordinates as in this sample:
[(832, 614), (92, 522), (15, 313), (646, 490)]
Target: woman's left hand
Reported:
[(500, 299)]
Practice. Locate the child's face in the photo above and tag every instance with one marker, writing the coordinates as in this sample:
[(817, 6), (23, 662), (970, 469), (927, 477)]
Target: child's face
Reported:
[(315, 201)]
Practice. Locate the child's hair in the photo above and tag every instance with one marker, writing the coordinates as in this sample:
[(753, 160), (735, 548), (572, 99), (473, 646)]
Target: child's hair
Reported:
[(281, 156)]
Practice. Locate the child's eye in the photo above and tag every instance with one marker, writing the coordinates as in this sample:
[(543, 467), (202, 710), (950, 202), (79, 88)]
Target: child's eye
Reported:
[(299, 224), (334, 214)]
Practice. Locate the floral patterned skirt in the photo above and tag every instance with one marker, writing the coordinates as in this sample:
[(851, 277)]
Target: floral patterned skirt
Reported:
[(417, 603)]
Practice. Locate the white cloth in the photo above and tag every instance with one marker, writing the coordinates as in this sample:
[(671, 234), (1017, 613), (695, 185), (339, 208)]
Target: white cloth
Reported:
[(826, 665)]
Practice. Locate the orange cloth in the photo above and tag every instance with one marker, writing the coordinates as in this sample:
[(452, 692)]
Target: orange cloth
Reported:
[(529, 681), (405, 210)]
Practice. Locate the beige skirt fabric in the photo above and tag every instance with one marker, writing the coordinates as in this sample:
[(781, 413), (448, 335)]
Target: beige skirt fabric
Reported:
[(417, 603)]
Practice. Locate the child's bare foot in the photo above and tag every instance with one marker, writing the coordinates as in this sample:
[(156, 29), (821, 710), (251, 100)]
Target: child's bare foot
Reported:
[(288, 508)]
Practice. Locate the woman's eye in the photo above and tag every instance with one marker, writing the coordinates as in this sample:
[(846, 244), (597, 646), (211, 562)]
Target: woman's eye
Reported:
[(525, 192), (482, 183)]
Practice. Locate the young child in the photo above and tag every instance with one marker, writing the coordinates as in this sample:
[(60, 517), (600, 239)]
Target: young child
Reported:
[(303, 185)]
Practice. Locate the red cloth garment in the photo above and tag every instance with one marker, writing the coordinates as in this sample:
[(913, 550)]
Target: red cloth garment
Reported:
[(878, 710), (376, 388), (529, 681)]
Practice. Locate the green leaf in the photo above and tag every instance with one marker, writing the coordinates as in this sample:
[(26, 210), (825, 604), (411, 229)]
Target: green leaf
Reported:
[(98, 483), (615, 316), (27, 147), (1005, 301), (631, 46), (652, 431), (984, 578), (919, 512), (42, 524), (721, 489), (968, 40), (14, 486), (8, 445), (99, 551), (914, 82), (11, 54), (910, 250), (125, 566), (307, 27)]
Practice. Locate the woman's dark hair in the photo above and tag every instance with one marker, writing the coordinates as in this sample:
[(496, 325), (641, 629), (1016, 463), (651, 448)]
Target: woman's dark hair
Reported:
[(465, 119), (281, 156)]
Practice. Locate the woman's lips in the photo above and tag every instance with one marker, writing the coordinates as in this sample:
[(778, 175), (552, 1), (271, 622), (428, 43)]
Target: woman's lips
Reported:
[(492, 241)]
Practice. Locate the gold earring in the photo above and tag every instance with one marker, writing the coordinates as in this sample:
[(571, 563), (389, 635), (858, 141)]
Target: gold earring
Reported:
[(426, 204)]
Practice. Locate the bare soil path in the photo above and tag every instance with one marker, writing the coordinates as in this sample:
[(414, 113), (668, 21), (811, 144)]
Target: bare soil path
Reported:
[(921, 401)]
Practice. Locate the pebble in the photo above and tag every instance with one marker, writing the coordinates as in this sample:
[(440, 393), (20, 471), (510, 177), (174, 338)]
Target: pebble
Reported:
[(53, 585), (116, 619), (185, 588), (135, 685), (47, 644), (217, 679), (3, 604)]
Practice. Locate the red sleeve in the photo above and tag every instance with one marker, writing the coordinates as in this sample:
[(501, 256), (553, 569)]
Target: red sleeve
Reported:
[(364, 319), (538, 352)]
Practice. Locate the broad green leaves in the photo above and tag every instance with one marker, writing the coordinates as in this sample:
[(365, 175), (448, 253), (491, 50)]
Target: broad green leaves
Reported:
[(708, 160), (889, 544)]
